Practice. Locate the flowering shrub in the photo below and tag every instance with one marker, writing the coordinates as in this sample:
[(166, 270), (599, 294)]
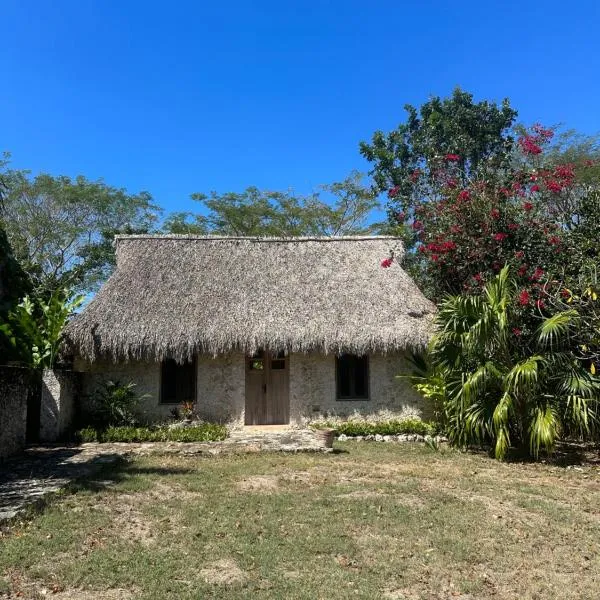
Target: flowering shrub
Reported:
[(462, 235)]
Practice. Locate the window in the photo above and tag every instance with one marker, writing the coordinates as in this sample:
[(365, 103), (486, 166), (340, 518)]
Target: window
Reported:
[(177, 382), (352, 377)]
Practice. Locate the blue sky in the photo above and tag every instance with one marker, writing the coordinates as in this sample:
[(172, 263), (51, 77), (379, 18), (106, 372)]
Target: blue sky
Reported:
[(185, 97)]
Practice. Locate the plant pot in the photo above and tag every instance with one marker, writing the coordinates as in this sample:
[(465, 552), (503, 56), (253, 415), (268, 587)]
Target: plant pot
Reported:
[(325, 437)]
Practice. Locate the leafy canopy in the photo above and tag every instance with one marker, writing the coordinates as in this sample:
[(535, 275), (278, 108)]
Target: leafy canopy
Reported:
[(263, 213), (61, 229)]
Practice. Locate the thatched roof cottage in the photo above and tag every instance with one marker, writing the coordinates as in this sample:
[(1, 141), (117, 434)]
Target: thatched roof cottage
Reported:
[(267, 330)]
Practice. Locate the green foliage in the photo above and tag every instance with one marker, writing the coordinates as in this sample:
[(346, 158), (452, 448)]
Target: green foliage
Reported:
[(115, 404), (478, 132), (207, 432), (35, 327), (393, 427), (264, 213), (61, 229), (507, 391)]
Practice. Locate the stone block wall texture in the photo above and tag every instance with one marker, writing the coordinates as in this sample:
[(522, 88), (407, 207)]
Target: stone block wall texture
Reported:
[(57, 409), (220, 389), (15, 386)]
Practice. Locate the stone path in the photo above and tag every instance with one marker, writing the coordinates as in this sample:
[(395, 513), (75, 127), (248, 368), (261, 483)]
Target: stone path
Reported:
[(28, 478)]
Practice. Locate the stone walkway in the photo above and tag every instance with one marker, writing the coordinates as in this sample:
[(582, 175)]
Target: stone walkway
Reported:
[(28, 478)]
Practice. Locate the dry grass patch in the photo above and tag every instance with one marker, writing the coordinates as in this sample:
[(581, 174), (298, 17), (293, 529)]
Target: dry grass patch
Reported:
[(379, 520)]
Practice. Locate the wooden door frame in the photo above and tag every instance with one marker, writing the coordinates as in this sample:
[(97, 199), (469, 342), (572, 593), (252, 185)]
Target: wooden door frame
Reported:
[(268, 410)]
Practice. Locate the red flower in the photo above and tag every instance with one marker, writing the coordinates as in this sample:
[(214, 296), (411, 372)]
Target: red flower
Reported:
[(554, 186), (452, 157), (542, 132), (414, 176), (527, 206), (434, 257), (516, 331), (529, 145), (495, 213), (524, 298), (565, 293), (417, 225), (505, 191), (513, 226), (394, 191), (452, 183), (540, 304), (519, 254), (464, 195), (387, 262), (500, 236), (537, 274), (478, 277), (535, 188), (554, 240), (522, 270), (400, 216)]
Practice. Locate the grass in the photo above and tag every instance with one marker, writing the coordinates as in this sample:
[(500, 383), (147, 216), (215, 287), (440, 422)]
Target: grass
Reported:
[(373, 521)]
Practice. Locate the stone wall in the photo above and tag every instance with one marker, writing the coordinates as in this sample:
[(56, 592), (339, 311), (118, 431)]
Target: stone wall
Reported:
[(16, 384), (219, 387), (220, 394), (313, 388), (57, 410)]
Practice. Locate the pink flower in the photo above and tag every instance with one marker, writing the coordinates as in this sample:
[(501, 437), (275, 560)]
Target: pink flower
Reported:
[(535, 188), (452, 157), (529, 145), (527, 206), (500, 236), (524, 298), (387, 262), (554, 186), (495, 213), (516, 331), (464, 195)]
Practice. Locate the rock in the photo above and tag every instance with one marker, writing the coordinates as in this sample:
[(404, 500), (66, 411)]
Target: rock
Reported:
[(402, 437), (359, 438), (342, 437), (420, 438), (378, 437), (388, 438), (369, 437)]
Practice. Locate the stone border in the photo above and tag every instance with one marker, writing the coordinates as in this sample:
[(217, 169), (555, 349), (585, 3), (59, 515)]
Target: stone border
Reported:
[(402, 437)]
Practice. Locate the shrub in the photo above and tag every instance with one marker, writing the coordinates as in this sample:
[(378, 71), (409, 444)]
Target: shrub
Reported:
[(115, 404), (207, 432), (393, 427), (88, 434)]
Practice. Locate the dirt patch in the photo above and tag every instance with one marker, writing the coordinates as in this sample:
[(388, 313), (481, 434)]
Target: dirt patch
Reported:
[(78, 594), (224, 572), (259, 483)]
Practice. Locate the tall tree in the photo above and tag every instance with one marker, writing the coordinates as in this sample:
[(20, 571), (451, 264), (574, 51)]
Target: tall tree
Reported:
[(342, 208), (477, 135), (60, 228)]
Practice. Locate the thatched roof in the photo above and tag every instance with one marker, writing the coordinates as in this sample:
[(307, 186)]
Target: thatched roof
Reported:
[(174, 296)]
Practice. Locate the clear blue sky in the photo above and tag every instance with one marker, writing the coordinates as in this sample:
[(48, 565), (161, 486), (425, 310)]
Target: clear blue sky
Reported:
[(179, 97)]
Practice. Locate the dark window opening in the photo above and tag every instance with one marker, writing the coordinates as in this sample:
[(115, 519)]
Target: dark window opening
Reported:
[(177, 382), (352, 377)]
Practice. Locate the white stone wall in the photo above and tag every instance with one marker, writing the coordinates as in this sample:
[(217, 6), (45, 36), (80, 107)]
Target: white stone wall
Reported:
[(313, 391), (221, 387), (57, 407)]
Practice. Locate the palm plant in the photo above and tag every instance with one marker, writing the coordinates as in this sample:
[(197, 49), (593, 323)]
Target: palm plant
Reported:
[(504, 389)]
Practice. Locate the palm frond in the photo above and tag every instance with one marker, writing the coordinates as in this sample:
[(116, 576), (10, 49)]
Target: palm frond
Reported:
[(544, 429), (555, 328)]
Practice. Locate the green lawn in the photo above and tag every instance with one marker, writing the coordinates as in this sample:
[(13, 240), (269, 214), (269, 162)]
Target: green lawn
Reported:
[(373, 521)]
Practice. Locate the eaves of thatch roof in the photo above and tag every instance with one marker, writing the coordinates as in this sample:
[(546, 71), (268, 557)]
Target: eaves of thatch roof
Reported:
[(175, 296)]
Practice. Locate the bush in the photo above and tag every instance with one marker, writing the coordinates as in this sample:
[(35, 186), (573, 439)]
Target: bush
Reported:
[(393, 427), (88, 434), (207, 432), (115, 404)]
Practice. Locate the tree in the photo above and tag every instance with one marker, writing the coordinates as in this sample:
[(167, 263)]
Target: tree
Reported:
[(264, 213), (476, 135), (61, 228), (507, 393)]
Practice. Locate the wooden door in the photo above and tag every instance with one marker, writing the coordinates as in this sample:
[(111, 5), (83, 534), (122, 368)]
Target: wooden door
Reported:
[(267, 389)]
